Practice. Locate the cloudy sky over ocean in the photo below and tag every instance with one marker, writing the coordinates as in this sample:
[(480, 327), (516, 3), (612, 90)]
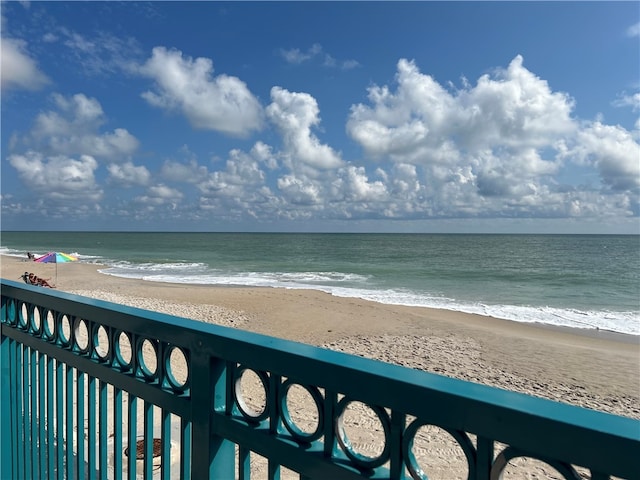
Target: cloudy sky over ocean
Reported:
[(328, 116)]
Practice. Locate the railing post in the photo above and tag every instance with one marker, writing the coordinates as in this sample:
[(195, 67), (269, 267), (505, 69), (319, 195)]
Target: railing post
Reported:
[(484, 459), (396, 468), (6, 463), (211, 457)]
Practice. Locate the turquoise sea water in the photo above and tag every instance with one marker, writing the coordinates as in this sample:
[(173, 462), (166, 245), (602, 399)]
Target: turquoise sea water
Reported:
[(583, 281)]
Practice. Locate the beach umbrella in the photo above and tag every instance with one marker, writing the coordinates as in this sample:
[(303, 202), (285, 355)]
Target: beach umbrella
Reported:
[(56, 257)]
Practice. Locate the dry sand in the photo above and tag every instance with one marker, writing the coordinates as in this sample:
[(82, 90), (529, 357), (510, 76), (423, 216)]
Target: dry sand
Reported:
[(593, 369)]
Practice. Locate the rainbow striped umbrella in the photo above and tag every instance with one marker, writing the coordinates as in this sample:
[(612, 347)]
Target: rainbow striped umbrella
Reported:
[(56, 257)]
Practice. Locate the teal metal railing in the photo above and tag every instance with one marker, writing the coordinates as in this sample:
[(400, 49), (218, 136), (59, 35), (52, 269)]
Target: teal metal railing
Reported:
[(82, 380)]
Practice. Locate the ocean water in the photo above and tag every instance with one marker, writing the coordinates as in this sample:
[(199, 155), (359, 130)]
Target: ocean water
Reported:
[(581, 281)]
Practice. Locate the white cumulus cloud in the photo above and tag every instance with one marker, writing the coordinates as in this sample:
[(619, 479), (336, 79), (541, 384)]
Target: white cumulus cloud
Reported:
[(424, 123), (614, 152), (73, 129), (223, 103), (58, 177), (294, 114), (160, 194), (500, 138), (19, 70), (239, 190), (183, 172), (242, 173), (127, 174)]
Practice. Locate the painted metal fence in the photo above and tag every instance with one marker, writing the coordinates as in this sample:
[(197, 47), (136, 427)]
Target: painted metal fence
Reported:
[(82, 380)]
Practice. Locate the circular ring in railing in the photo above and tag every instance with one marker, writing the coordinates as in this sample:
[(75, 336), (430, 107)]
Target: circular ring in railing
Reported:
[(176, 366), (23, 316), (27, 321), (81, 335), (461, 439), (251, 392), (101, 345), (12, 317), (64, 331), (295, 402), (377, 415), (122, 350), (509, 453), (49, 325), (147, 358), (36, 321)]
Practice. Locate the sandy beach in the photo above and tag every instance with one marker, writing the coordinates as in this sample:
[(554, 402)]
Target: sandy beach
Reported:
[(594, 369)]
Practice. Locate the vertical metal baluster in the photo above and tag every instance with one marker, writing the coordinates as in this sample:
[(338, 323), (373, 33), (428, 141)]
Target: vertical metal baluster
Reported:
[(8, 435), (13, 405), (117, 433), (148, 439), (330, 403), (210, 402), (69, 444), (244, 455), (34, 415), (102, 447), (165, 435), (21, 435), (92, 420), (274, 420), (273, 470), (51, 456), (6, 417), (132, 421), (204, 375), (185, 448), (42, 415), (19, 415), (26, 413), (80, 424), (59, 392), (244, 463), (396, 470)]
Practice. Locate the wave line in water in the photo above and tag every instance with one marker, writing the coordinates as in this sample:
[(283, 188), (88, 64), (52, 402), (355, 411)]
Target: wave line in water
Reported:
[(357, 286), (385, 281)]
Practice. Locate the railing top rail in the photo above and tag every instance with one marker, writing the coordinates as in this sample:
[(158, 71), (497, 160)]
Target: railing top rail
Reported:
[(466, 406)]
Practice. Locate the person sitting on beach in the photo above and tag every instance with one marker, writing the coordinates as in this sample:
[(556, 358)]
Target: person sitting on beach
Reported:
[(42, 282), (32, 279), (31, 256)]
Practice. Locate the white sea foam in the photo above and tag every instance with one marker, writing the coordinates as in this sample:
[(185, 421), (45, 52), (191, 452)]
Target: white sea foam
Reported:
[(356, 286), (11, 252), (622, 322), (577, 297)]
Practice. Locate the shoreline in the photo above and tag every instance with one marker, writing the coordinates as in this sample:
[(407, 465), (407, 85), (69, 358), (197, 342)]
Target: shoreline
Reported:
[(588, 332), (592, 368), (585, 331)]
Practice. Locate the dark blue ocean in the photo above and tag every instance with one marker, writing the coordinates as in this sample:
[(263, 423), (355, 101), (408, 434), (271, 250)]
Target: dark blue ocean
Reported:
[(583, 281)]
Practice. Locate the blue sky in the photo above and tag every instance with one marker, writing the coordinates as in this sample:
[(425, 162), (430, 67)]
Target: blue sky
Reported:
[(328, 116)]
